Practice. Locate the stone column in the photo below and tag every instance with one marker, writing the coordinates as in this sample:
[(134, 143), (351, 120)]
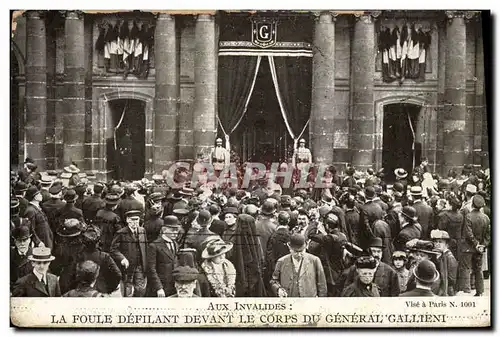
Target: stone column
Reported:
[(36, 88), (167, 93), (454, 110), (322, 126), (205, 84), (363, 68), (74, 90)]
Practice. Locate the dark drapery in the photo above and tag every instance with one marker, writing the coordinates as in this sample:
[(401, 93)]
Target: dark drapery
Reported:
[(236, 79), (294, 76)]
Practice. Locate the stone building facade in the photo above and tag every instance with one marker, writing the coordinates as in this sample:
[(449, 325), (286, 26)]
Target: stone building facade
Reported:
[(66, 105)]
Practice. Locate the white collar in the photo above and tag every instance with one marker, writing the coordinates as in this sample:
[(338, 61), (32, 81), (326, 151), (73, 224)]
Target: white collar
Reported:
[(420, 286), (21, 253), (40, 276)]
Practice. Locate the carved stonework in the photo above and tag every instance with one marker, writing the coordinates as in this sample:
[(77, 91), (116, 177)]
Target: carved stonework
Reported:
[(72, 15), (367, 17), (34, 15), (205, 17), (164, 16), (325, 15)]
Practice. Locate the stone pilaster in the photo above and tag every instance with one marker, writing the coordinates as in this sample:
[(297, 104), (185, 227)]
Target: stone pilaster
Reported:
[(441, 25), (205, 83), (363, 68), (454, 110), (322, 124), (74, 90), (36, 88), (167, 93)]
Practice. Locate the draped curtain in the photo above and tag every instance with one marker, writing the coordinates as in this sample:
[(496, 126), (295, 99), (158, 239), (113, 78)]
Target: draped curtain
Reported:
[(292, 77), (237, 75)]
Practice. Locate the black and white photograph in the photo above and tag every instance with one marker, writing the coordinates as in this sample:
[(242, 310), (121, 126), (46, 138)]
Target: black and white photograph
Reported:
[(253, 155)]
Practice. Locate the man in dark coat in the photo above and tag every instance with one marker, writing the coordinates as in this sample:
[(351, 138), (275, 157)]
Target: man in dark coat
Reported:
[(20, 190), (92, 204), (69, 211), (45, 183), (80, 189), (380, 229), (128, 249), (37, 218), (410, 229), (108, 221), (26, 174), (153, 224), (277, 243), (475, 239), (19, 264), (162, 259), (129, 203), (197, 239), (53, 205), (264, 226), (352, 220), (425, 275), (218, 226), (370, 212), (38, 283), (425, 213), (87, 273), (446, 263)]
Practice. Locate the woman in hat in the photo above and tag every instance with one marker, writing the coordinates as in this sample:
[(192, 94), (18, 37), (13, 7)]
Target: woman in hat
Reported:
[(398, 263), (401, 175), (220, 274), (363, 286)]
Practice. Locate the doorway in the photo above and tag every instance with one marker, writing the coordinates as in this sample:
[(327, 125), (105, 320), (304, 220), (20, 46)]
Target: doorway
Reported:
[(126, 137), (262, 135), (400, 146)]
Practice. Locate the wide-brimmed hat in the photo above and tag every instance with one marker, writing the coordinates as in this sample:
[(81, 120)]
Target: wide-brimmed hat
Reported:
[(70, 195), (41, 254), (46, 180), (21, 233), (437, 234), (297, 242), (426, 272), (400, 173), (186, 191), (376, 242), (70, 228), (216, 248), (72, 169), (422, 246), (410, 213), (185, 274), (416, 190)]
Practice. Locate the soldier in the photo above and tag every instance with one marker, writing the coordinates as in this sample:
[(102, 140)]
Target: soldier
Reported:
[(219, 157), (301, 156)]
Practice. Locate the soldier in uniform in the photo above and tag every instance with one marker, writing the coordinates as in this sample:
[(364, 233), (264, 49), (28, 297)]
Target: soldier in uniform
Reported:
[(219, 157), (302, 156)]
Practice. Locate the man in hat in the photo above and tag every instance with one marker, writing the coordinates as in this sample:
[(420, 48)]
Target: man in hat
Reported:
[(299, 274), (20, 190), (352, 218), (381, 229), (19, 264), (451, 220), (470, 192), (108, 221), (162, 259), (446, 263), (277, 243), (219, 157), (265, 224), (401, 175), (154, 222), (301, 156), (369, 213), (37, 218), (26, 174), (81, 190), (129, 203), (15, 219), (69, 211), (51, 206), (349, 180), (181, 198), (38, 283), (410, 228), (425, 275), (45, 183), (424, 211), (196, 239), (74, 171), (475, 239), (128, 249), (92, 204), (364, 285), (185, 281), (86, 277)]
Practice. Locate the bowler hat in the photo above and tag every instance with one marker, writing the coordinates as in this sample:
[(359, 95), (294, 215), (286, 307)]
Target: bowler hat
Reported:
[(31, 193), (55, 189), (204, 218), (185, 274), (70, 228), (366, 262), (21, 233), (410, 213), (251, 209), (20, 187), (216, 248), (232, 210), (369, 193), (133, 212), (171, 221), (398, 187), (400, 173), (285, 200), (297, 242), (41, 254), (70, 195), (426, 272), (350, 171), (267, 208), (112, 199), (478, 201), (376, 242)]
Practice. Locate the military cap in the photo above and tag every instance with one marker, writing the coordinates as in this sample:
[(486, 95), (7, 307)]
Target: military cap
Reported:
[(133, 212)]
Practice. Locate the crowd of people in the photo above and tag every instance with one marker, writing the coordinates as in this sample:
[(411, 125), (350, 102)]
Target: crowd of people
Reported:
[(423, 235)]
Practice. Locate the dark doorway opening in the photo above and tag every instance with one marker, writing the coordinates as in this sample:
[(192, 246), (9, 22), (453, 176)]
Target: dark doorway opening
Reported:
[(126, 147), (14, 112), (399, 149), (262, 135)]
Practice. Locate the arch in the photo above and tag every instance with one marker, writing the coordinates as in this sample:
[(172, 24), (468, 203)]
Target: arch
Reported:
[(379, 120), (19, 56)]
